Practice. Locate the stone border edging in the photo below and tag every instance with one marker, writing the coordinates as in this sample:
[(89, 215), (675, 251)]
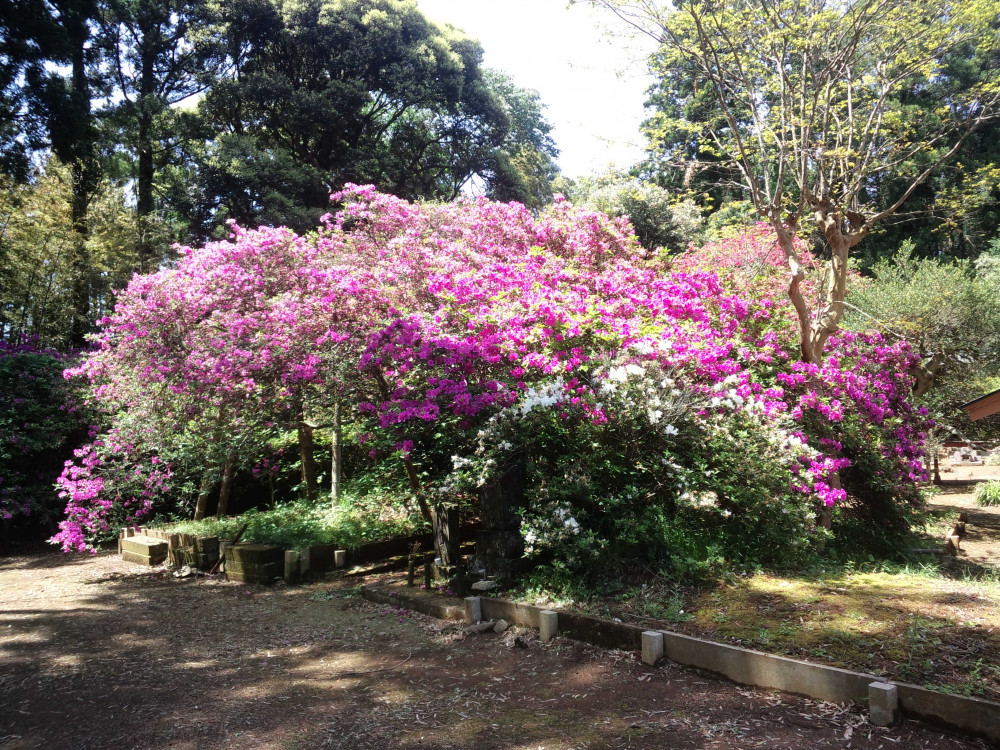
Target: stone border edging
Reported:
[(832, 684)]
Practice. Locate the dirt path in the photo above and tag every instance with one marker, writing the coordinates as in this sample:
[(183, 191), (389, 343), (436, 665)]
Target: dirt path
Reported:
[(981, 546), (96, 653)]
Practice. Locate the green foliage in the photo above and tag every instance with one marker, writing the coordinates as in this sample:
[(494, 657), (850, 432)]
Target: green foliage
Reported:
[(366, 92), (660, 219), (351, 523), (692, 499), (949, 312), (39, 277), (988, 493), (717, 60), (827, 116), (40, 419)]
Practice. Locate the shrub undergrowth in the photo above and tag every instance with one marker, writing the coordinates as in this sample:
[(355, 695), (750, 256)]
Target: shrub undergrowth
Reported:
[(353, 521)]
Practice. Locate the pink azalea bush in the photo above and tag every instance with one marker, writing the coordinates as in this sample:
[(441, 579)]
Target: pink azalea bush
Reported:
[(467, 338)]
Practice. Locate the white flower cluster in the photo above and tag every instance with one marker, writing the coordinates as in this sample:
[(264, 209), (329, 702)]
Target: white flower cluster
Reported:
[(637, 389), (548, 529), (544, 396)]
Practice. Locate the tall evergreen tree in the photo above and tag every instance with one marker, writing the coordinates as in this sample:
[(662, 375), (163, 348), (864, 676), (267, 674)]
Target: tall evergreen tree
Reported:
[(64, 102), (158, 53)]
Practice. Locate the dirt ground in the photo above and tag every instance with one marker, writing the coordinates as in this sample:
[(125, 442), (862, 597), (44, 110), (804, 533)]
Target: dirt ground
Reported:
[(97, 653), (981, 546)]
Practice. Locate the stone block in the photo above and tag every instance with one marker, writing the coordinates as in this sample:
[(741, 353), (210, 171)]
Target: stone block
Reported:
[(443, 573), (340, 558), (652, 647), (144, 550), (516, 613), (255, 554), (473, 609), (254, 563), (741, 665), (321, 557), (883, 704), (291, 566), (265, 574), (548, 625), (207, 545)]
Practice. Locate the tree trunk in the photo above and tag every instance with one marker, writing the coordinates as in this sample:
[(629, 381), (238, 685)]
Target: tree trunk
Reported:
[(227, 484), (786, 241), (446, 534), (306, 459), (335, 453), (144, 177), (83, 172), (411, 475), (204, 492), (828, 321)]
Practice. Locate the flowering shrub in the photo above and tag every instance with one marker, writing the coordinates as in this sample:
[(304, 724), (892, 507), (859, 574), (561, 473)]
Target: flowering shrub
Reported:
[(39, 416), (109, 486), (469, 337)]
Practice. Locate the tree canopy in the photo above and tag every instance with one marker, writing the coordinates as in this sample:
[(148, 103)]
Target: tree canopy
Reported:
[(369, 91), (807, 106), (195, 112)]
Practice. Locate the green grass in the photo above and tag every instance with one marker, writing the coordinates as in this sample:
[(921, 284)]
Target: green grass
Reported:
[(351, 523), (988, 493)]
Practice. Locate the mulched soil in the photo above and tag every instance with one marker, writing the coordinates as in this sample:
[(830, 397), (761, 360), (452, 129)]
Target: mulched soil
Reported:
[(98, 653)]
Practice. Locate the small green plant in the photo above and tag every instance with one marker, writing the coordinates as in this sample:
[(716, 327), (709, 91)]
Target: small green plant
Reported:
[(988, 493), (671, 610)]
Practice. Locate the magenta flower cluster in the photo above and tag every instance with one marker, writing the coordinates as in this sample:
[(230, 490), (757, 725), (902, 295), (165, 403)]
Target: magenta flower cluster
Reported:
[(428, 320)]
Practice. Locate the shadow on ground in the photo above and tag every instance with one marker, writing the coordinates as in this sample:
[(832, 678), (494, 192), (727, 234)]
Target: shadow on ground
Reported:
[(95, 653)]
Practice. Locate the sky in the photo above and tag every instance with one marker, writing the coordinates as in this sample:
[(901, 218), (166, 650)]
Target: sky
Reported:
[(591, 82)]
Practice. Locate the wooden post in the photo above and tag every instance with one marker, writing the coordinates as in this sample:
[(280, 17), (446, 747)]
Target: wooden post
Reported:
[(446, 531)]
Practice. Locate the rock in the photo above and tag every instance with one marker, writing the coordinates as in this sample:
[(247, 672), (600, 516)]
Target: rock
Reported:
[(479, 627), (520, 642), (501, 626), (184, 572), (484, 585)]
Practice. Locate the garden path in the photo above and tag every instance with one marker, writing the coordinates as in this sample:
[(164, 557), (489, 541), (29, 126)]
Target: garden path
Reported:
[(97, 653), (981, 546)]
